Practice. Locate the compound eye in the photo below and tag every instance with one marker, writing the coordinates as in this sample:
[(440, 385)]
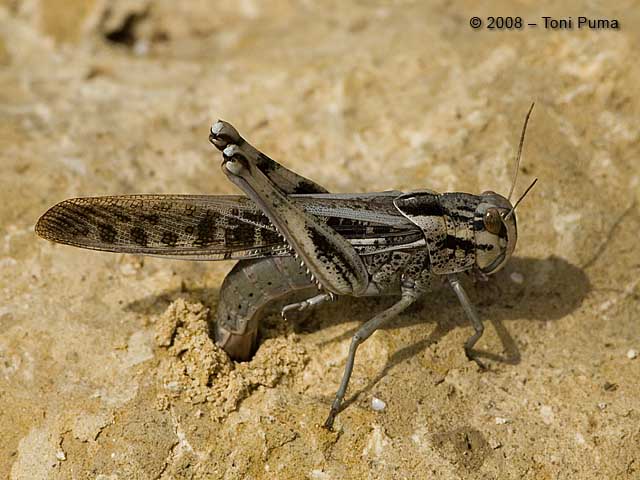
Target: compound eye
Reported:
[(492, 221)]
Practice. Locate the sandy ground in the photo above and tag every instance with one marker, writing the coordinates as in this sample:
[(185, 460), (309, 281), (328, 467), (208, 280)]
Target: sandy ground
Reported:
[(106, 367)]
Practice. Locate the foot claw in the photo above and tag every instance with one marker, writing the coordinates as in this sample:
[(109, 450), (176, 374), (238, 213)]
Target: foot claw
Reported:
[(472, 357), (293, 306), (310, 302), (328, 423)]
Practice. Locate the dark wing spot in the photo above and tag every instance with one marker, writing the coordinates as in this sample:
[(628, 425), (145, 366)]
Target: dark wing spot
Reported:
[(189, 210), (139, 236), (206, 230), (107, 233), (241, 234), (189, 230), (121, 216), (152, 218), (169, 238)]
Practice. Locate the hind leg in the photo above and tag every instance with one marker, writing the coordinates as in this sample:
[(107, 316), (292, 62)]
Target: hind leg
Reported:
[(330, 258), (223, 134)]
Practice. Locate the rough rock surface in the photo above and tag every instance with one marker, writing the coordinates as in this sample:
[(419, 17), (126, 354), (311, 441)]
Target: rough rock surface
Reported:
[(106, 368)]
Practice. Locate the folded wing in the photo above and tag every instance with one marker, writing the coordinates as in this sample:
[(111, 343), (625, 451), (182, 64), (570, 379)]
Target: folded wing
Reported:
[(214, 227)]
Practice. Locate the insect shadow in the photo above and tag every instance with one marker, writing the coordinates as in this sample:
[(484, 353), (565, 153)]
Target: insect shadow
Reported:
[(550, 289), (527, 289), (543, 290)]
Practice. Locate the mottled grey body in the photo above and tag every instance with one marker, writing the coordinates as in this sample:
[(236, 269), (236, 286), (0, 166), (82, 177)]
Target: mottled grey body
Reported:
[(291, 235), (459, 232)]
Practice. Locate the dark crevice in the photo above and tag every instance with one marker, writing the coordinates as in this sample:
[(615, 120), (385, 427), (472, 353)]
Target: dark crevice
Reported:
[(125, 34)]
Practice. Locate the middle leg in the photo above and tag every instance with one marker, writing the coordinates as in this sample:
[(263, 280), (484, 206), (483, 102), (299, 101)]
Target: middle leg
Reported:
[(409, 295), (309, 302)]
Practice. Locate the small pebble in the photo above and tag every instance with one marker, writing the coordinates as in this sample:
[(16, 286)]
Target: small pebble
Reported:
[(501, 420), (377, 404), (632, 354), (517, 277), (602, 405), (61, 456)]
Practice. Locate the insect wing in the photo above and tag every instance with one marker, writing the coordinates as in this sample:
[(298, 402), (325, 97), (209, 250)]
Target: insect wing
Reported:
[(203, 227), (218, 227)]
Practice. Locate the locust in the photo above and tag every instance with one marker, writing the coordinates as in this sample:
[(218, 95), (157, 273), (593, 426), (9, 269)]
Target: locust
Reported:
[(289, 234)]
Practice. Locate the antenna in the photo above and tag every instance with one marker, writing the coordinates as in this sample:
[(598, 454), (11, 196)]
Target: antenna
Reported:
[(506, 217), (515, 175)]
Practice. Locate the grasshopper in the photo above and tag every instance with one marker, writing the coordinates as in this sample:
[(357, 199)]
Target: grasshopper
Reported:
[(290, 234)]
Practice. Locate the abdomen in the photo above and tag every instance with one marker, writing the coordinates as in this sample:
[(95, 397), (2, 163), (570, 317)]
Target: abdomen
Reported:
[(246, 292)]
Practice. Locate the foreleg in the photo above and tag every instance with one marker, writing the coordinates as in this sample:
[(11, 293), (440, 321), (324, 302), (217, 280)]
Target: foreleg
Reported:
[(472, 315)]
